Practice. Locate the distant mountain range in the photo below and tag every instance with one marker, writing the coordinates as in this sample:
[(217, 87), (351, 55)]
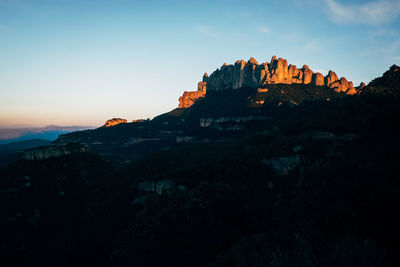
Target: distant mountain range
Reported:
[(13, 141), (50, 132)]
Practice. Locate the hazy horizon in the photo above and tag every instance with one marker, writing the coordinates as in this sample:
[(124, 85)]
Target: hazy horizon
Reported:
[(24, 126), (82, 62)]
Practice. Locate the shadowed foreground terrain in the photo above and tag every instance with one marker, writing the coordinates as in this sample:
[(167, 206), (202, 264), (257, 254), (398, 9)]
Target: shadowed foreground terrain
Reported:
[(295, 175)]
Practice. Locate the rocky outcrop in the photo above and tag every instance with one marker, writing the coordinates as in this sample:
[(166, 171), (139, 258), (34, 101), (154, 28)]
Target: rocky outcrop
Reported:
[(46, 152), (114, 122), (252, 74), (189, 98)]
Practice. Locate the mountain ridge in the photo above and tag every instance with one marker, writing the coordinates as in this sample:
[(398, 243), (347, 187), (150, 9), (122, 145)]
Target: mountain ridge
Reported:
[(254, 75), (391, 78), (226, 114)]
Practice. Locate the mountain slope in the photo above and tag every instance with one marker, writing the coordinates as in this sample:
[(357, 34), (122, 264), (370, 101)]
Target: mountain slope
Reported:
[(298, 180)]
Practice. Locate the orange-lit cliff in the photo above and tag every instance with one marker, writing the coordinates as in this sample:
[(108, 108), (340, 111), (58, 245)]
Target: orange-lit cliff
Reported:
[(252, 74), (114, 121)]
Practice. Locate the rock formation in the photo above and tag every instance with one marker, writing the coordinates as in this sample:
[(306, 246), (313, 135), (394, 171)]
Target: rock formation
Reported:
[(252, 74), (318, 79), (189, 98), (114, 122)]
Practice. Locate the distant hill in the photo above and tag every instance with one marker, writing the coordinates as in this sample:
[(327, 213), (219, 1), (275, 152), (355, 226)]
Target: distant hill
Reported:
[(50, 132), (251, 74), (23, 145)]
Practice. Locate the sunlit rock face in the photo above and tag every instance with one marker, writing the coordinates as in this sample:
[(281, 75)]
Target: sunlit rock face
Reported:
[(189, 98), (114, 122), (318, 79), (252, 74)]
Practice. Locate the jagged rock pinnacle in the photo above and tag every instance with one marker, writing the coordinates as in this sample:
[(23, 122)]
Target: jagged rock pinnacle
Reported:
[(252, 60), (252, 74)]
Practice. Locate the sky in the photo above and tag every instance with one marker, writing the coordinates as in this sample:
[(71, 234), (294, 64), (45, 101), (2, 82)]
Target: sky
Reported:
[(69, 62)]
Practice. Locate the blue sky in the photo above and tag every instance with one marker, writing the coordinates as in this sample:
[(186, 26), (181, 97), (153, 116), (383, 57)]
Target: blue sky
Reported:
[(81, 62)]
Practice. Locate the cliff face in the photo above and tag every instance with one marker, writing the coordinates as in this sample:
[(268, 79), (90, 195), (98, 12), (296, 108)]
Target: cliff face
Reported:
[(252, 74), (189, 98)]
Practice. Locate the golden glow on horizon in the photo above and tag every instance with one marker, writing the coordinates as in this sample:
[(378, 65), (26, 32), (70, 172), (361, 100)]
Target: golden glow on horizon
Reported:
[(48, 119)]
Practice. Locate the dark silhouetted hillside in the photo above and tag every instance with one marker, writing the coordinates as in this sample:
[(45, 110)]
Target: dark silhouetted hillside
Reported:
[(284, 175)]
